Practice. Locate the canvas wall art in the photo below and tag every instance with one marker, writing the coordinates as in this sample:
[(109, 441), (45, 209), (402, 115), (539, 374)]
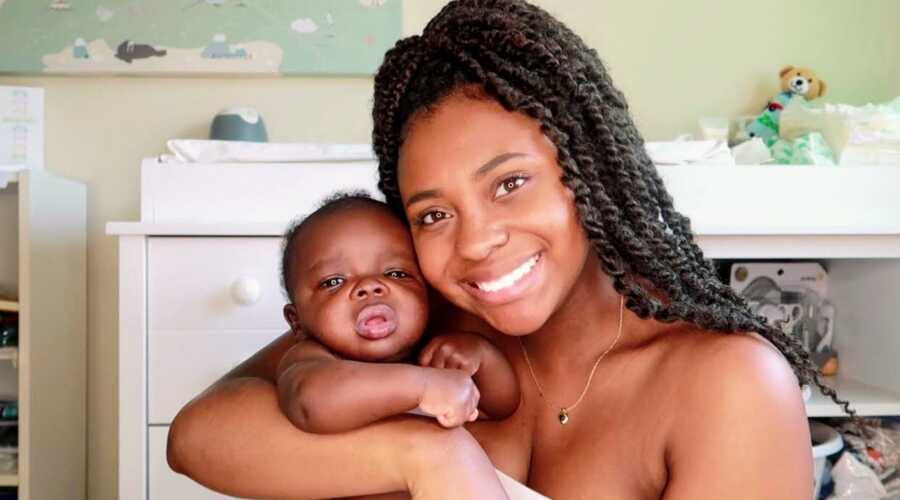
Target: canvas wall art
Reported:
[(289, 37)]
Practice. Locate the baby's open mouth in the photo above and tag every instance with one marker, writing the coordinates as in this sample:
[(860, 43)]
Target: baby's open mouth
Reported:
[(376, 321)]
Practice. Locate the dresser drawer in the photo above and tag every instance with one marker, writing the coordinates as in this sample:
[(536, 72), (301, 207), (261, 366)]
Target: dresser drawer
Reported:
[(163, 484), (181, 364), (214, 283)]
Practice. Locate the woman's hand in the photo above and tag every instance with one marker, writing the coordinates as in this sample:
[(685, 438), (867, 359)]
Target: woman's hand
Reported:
[(460, 351), (490, 370), (450, 395)]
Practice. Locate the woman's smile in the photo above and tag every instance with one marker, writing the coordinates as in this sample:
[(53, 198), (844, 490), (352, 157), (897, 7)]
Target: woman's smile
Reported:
[(508, 287)]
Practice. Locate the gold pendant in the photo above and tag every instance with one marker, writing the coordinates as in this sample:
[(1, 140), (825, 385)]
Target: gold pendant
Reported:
[(563, 416)]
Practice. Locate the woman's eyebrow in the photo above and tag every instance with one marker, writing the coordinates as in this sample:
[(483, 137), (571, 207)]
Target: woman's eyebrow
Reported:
[(492, 164), (481, 172), (423, 195)]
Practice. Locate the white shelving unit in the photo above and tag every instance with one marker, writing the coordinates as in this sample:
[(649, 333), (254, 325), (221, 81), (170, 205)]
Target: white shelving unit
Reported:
[(43, 271), (847, 218)]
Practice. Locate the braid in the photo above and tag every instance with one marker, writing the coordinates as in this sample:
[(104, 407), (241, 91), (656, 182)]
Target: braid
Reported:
[(520, 56)]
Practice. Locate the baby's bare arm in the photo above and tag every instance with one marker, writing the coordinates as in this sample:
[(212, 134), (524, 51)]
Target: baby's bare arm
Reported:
[(491, 371), (323, 394)]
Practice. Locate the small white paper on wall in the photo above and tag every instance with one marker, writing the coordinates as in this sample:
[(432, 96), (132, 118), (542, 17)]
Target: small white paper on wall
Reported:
[(22, 126)]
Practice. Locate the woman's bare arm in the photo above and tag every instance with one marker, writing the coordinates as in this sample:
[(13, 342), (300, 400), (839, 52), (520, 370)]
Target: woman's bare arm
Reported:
[(234, 438)]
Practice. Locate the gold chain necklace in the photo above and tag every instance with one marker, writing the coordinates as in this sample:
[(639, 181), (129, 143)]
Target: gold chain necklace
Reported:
[(564, 410)]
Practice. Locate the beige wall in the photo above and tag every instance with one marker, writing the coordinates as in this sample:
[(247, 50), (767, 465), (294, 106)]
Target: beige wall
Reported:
[(675, 60)]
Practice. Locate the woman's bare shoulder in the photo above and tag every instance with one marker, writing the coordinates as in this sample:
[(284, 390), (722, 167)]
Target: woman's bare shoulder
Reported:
[(726, 362), (738, 400)]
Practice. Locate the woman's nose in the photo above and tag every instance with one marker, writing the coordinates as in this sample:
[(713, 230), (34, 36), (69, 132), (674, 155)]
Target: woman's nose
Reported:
[(477, 240), (369, 287)]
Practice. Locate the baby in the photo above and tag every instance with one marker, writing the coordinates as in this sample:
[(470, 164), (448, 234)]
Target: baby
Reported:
[(359, 307)]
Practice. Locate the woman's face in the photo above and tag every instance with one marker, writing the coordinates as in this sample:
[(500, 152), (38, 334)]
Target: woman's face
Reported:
[(495, 230)]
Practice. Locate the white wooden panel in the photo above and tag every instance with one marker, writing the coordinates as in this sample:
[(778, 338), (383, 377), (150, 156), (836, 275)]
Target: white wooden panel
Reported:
[(52, 338), (781, 199), (184, 363), (165, 484), (867, 400), (132, 367), (191, 283), (236, 193), (866, 295), (806, 246), (196, 229)]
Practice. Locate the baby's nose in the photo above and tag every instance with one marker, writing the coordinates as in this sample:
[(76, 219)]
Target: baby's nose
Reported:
[(369, 287)]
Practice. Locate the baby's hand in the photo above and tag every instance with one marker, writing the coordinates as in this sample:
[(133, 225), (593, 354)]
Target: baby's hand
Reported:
[(462, 351), (451, 396)]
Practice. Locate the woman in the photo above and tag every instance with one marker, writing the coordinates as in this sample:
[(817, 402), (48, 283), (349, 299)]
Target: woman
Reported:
[(535, 210)]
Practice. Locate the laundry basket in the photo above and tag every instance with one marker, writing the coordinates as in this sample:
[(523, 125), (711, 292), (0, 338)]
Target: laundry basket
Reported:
[(825, 442)]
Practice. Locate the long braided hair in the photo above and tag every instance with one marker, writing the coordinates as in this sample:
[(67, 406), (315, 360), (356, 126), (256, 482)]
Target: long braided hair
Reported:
[(528, 61)]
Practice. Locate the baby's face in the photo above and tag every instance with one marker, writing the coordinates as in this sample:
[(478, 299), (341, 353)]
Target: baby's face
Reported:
[(356, 286)]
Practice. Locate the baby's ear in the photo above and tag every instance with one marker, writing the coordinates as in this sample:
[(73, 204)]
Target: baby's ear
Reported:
[(293, 319)]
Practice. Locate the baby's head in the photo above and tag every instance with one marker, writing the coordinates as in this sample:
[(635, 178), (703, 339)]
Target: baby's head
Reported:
[(350, 273)]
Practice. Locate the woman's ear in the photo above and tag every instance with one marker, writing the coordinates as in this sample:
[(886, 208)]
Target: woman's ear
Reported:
[(293, 319)]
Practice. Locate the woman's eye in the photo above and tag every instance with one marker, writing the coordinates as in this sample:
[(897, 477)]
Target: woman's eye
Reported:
[(331, 283), (432, 217), (509, 185), (397, 274)]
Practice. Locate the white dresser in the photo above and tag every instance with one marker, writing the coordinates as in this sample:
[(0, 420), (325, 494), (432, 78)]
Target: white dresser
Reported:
[(199, 281), (199, 291)]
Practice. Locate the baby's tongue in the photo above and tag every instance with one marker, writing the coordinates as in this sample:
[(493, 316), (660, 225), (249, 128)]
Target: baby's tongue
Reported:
[(376, 322)]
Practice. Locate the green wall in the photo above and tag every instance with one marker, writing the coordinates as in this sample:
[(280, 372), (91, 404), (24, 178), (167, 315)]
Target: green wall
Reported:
[(675, 61)]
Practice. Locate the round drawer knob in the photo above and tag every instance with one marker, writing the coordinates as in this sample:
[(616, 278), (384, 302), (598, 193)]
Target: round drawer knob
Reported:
[(246, 291)]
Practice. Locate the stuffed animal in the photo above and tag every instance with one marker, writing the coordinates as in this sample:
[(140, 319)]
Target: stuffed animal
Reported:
[(795, 82), (801, 82)]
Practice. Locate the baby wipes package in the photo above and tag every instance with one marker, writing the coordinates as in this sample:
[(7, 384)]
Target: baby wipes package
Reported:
[(858, 135)]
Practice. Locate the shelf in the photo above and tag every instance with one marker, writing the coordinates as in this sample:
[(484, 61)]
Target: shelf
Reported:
[(9, 306), (9, 174), (9, 479), (9, 354), (790, 211), (866, 400), (195, 229)]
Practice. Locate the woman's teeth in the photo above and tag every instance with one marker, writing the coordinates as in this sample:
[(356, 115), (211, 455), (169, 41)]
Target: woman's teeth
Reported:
[(509, 279)]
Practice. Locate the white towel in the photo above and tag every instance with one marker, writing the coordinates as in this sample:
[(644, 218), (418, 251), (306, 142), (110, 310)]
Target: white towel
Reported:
[(201, 151), (518, 491), (686, 152)]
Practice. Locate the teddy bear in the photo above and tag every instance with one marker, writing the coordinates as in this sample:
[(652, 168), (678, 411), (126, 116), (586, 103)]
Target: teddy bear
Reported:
[(795, 82), (801, 82)]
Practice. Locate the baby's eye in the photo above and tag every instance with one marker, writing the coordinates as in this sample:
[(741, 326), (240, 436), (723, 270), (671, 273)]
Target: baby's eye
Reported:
[(509, 185), (332, 282), (397, 274), (429, 218)]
